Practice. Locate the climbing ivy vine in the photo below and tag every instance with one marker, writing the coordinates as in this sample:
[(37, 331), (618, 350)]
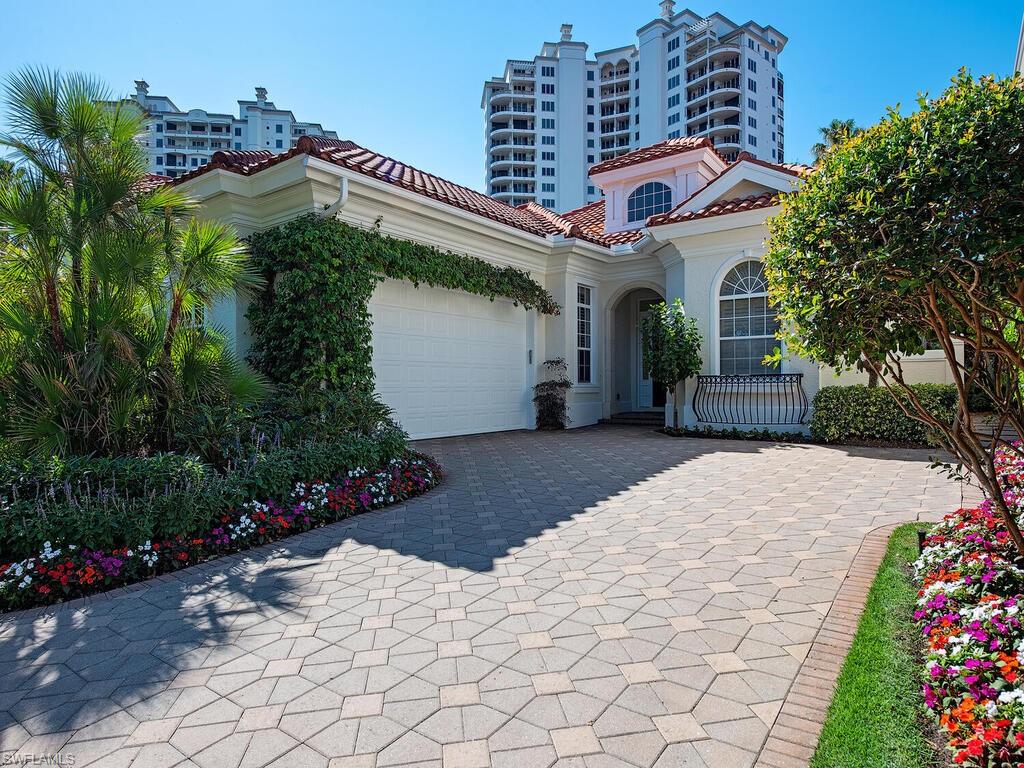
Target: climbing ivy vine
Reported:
[(312, 326)]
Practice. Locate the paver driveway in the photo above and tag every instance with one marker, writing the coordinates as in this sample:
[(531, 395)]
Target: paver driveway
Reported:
[(603, 597)]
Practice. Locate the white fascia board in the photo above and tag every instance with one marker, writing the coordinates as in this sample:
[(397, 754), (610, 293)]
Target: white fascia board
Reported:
[(720, 223), (417, 199)]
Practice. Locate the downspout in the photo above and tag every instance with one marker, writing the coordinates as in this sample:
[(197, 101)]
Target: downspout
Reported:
[(332, 210)]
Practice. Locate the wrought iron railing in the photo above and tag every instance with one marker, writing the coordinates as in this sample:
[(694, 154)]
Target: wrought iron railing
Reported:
[(774, 398)]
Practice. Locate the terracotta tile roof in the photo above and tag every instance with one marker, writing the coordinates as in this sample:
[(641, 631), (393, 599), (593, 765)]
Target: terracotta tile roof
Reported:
[(590, 221), (653, 152), (348, 154), (151, 181), (717, 208), (794, 169)]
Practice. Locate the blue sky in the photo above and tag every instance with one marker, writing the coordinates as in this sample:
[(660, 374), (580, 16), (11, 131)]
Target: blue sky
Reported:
[(405, 78)]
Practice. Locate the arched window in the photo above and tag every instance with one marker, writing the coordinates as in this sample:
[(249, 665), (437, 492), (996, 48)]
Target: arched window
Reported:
[(746, 321), (647, 200)]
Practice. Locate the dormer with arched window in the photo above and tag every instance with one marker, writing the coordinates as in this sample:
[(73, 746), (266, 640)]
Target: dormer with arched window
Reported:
[(652, 180)]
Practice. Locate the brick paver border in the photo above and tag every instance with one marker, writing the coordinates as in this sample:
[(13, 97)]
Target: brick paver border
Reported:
[(794, 734)]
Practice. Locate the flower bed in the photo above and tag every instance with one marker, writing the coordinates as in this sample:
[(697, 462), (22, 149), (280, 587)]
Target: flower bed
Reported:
[(66, 570), (969, 610)]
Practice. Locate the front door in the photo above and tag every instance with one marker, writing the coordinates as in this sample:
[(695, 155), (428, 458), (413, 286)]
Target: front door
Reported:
[(645, 384)]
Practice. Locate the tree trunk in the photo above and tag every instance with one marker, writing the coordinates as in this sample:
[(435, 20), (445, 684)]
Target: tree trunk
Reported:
[(53, 309)]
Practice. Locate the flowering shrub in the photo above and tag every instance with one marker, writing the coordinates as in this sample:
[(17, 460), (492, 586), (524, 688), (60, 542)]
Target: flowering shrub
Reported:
[(66, 570), (969, 610)]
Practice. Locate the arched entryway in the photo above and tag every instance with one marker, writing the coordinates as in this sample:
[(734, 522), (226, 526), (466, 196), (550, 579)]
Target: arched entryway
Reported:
[(630, 386)]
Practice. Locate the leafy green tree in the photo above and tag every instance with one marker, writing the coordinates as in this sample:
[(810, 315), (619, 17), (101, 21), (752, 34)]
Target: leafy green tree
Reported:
[(914, 231), (103, 277), (671, 347), (834, 134)]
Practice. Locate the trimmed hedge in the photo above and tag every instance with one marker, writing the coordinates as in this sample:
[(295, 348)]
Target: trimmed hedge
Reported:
[(844, 414)]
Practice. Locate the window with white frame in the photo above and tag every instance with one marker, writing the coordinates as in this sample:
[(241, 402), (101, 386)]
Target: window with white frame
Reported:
[(647, 200), (746, 321), (584, 334)]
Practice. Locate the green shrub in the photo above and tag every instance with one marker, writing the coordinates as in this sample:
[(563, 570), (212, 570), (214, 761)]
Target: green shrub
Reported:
[(111, 503), (843, 414)]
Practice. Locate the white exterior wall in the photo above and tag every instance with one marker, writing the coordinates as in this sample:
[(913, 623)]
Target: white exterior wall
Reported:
[(647, 63)]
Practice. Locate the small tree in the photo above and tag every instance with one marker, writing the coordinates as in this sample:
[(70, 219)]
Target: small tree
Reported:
[(671, 347), (914, 230)]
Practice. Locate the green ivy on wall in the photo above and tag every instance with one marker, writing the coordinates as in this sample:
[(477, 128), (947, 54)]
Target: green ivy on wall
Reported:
[(311, 324)]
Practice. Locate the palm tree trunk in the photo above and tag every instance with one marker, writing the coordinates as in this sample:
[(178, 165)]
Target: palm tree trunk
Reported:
[(53, 310)]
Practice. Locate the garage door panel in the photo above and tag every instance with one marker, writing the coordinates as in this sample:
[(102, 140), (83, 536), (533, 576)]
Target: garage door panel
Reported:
[(448, 362)]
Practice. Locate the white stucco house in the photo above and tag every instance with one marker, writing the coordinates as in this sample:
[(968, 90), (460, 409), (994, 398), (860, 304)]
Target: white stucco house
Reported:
[(676, 221)]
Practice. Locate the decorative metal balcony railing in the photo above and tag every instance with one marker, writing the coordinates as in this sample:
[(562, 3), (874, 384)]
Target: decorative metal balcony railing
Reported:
[(761, 400)]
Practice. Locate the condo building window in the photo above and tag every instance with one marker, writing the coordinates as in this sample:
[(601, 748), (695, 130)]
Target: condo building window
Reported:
[(159, 160), (159, 127), (547, 71), (591, 190), (547, 106), (238, 131), (278, 128), (279, 144), (547, 139), (673, 82), (673, 44), (590, 143), (752, 121), (590, 75), (590, 158), (548, 202), (590, 93), (673, 63), (238, 145), (547, 88), (547, 171), (746, 321), (752, 84), (547, 155), (547, 186), (752, 65), (673, 100), (647, 200), (590, 129), (590, 109), (584, 334), (673, 118), (547, 123), (159, 142), (751, 103), (752, 141), (674, 134)]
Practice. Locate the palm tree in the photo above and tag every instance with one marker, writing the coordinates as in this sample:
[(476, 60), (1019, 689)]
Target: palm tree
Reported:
[(833, 134), (100, 278)]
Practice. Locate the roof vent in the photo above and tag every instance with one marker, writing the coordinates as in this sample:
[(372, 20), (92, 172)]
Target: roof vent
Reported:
[(667, 8), (566, 33)]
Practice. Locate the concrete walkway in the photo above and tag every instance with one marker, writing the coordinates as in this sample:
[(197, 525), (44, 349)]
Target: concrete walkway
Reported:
[(603, 597)]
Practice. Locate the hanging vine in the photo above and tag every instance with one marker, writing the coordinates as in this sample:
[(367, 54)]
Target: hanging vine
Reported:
[(311, 325)]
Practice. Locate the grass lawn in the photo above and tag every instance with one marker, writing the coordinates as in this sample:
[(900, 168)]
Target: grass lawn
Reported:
[(876, 717)]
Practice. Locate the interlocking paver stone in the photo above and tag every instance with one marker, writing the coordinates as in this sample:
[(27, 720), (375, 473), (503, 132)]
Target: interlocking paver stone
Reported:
[(607, 590)]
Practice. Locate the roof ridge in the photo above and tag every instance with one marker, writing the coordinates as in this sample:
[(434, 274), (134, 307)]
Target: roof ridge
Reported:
[(568, 228)]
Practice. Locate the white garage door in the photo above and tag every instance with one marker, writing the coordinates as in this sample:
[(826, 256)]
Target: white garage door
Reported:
[(448, 362)]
